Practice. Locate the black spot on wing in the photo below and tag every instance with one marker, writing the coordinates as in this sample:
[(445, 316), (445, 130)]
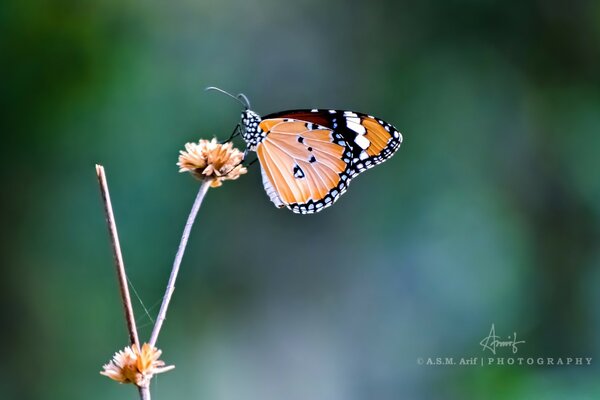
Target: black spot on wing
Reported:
[(298, 172)]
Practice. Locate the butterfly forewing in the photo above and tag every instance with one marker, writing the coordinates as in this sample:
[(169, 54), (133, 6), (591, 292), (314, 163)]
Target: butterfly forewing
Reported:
[(371, 139), (307, 166)]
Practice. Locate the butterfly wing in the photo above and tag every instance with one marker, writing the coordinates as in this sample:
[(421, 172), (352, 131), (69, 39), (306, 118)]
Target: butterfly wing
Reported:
[(306, 166), (371, 139)]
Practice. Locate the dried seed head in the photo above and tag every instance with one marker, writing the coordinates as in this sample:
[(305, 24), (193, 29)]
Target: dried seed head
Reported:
[(209, 159), (131, 365)]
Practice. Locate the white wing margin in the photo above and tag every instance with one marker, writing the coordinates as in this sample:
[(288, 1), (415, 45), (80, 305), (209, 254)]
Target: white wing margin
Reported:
[(271, 192)]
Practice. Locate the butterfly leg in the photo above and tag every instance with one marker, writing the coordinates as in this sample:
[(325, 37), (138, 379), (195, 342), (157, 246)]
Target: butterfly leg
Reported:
[(244, 159), (251, 162), (238, 164), (242, 162), (236, 132)]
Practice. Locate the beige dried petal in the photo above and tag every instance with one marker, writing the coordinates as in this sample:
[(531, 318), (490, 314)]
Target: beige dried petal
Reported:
[(209, 159), (131, 365)]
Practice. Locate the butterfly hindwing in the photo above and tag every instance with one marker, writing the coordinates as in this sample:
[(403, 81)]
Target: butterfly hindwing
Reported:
[(306, 166)]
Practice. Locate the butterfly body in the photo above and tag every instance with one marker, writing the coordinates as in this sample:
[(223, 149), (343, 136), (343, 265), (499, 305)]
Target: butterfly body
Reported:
[(251, 132), (309, 157)]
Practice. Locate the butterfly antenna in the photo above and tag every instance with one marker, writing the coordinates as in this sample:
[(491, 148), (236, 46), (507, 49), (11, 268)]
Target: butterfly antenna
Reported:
[(239, 97), (243, 97)]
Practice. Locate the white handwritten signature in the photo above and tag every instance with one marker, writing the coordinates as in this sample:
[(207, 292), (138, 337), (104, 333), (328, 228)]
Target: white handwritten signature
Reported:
[(492, 341)]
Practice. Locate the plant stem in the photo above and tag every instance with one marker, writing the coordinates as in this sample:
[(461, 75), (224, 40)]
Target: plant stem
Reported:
[(119, 264), (144, 393), (177, 262)]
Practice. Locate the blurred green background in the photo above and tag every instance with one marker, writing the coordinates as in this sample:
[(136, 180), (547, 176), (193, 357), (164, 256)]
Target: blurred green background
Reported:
[(489, 213)]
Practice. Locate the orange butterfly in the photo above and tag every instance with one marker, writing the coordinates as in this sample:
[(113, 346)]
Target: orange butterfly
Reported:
[(309, 157)]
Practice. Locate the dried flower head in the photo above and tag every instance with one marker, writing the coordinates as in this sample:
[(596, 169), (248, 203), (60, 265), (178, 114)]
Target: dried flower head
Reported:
[(131, 365), (209, 159)]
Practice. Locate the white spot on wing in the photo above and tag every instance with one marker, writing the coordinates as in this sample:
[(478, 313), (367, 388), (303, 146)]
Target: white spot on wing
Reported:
[(362, 142), (358, 128)]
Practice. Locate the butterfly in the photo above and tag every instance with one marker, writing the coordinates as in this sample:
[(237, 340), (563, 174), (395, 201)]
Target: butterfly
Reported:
[(308, 157)]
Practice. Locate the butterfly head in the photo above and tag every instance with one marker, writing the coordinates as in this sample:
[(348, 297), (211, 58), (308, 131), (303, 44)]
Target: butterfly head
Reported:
[(251, 131)]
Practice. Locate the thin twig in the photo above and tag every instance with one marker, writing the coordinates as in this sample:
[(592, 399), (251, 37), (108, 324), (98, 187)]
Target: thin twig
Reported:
[(144, 393), (177, 262), (120, 266)]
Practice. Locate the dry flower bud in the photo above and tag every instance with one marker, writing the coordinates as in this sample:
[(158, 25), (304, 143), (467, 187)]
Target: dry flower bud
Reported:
[(131, 365), (209, 159)]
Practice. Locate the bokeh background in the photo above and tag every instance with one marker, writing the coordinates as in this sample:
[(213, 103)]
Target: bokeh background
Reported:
[(489, 213)]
